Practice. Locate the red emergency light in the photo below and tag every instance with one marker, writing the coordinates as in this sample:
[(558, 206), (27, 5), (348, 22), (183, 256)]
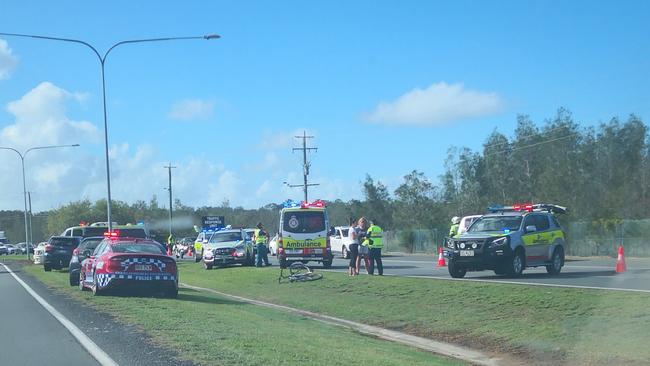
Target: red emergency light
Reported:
[(112, 234)]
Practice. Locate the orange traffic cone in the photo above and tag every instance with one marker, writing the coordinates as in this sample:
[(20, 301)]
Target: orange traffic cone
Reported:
[(441, 259), (620, 262)]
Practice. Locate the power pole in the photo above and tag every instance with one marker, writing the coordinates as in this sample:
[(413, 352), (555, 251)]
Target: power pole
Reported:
[(31, 233), (305, 164), (169, 170)]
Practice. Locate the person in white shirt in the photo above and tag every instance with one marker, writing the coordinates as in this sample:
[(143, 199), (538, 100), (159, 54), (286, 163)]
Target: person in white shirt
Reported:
[(352, 242)]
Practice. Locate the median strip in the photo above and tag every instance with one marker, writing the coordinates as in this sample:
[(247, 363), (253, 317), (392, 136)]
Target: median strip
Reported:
[(441, 348)]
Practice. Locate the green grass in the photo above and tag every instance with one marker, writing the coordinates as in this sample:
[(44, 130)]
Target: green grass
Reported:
[(565, 325), (209, 329)]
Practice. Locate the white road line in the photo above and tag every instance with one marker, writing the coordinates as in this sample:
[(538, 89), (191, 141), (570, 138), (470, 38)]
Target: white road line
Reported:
[(508, 282), (90, 346)]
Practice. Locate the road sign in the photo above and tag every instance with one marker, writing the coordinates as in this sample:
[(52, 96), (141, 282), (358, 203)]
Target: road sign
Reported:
[(213, 222)]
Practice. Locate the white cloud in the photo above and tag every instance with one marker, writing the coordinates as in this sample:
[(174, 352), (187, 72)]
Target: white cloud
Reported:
[(7, 60), (436, 105), (40, 119), (192, 109)]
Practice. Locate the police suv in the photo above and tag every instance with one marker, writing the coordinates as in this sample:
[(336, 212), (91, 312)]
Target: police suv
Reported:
[(509, 239)]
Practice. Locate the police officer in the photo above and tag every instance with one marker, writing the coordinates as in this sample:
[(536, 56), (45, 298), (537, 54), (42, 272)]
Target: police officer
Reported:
[(170, 243), (453, 230), (374, 237), (261, 238)]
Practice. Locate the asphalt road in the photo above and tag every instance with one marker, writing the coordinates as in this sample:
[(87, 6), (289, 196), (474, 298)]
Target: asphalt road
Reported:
[(32, 336), (29, 335), (577, 272)]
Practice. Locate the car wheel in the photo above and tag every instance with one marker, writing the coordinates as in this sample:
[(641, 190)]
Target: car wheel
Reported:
[(327, 263), (456, 270), (556, 262), (517, 264), (344, 253), (74, 280), (207, 266), (95, 288), (171, 293), (47, 268), (81, 283)]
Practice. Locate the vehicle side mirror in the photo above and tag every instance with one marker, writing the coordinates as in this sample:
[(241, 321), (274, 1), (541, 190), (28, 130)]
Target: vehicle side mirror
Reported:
[(531, 228)]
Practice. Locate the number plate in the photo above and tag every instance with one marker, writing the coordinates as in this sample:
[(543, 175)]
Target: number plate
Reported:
[(143, 267), (293, 251), (466, 253)]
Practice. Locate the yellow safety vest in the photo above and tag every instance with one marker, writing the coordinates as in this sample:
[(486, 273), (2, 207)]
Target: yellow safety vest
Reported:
[(260, 239), (453, 230), (375, 234)]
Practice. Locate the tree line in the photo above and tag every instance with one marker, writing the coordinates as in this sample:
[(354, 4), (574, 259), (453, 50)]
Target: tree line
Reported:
[(600, 173)]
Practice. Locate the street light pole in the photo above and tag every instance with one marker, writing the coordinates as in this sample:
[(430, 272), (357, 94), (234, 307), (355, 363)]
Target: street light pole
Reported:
[(102, 62), (22, 163)]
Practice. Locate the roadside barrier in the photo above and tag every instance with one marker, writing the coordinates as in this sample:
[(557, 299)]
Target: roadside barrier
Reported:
[(441, 259), (620, 261)]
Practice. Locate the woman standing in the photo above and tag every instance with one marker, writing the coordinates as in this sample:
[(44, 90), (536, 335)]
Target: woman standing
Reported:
[(353, 246), (361, 228)]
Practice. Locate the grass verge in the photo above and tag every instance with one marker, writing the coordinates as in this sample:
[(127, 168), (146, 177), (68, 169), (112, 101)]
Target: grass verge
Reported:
[(545, 325), (211, 330)]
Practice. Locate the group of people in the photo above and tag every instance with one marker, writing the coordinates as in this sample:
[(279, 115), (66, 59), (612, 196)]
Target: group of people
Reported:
[(365, 241)]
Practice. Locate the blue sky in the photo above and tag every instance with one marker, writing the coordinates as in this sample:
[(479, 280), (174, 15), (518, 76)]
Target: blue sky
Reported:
[(411, 77)]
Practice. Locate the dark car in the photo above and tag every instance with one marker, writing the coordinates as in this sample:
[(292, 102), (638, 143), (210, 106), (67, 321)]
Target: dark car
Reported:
[(85, 249), (58, 251), (134, 263)]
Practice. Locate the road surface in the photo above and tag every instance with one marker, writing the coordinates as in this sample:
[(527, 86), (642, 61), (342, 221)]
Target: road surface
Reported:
[(578, 272)]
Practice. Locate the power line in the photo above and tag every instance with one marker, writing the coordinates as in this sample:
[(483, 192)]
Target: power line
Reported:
[(526, 136), (532, 145), (305, 164)]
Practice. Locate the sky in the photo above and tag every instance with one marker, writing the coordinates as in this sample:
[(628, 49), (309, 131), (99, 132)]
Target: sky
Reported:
[(385, 87)]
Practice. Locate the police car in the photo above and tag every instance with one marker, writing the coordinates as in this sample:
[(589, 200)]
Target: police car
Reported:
[(509, 239), (227, 246)]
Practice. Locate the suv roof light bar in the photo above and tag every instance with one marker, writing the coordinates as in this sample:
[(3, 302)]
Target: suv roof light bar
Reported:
[(540, 207)]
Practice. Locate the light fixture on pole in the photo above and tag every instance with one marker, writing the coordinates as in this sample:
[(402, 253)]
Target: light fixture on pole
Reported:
[(22, 162), (102, 61)]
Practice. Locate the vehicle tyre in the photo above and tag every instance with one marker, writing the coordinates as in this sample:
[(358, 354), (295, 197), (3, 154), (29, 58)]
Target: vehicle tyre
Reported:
[(47, 268), (207, 266), (345, 253), (95, 288), (556, 262), (517, 264), (74, 280), (327, 263), (171, 293), (456, 270), (81, 283)]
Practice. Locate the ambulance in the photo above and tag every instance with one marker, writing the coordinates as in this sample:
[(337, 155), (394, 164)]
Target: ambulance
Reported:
[(303, 234)]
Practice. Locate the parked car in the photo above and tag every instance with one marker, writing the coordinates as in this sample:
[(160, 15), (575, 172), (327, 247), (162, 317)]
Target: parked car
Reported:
[(58, 251), (119, 262), (3, 249), (39, 251), (228, 247), (11, 249), (85, 249), (273, 245), (338, 240), (22, 248)]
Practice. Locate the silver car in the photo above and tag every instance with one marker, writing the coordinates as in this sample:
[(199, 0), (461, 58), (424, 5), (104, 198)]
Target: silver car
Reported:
[(228, 247)]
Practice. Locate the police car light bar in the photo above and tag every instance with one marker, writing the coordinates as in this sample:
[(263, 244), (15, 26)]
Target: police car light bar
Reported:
[(529, 207), (290, 204), (112, 234)]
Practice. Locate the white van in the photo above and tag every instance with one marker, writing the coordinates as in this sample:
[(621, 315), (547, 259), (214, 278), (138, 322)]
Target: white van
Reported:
[(303, 234)]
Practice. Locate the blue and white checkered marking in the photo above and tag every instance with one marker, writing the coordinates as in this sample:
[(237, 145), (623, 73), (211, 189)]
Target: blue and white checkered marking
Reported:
[(153, 261), (103, 279)]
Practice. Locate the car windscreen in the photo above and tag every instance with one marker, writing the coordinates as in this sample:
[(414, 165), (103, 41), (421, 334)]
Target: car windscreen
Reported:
[(94, 231), (495, 223), (149, 248), (304, 221), (224, 237), (90, 244), (133, 233), (64, 242)]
